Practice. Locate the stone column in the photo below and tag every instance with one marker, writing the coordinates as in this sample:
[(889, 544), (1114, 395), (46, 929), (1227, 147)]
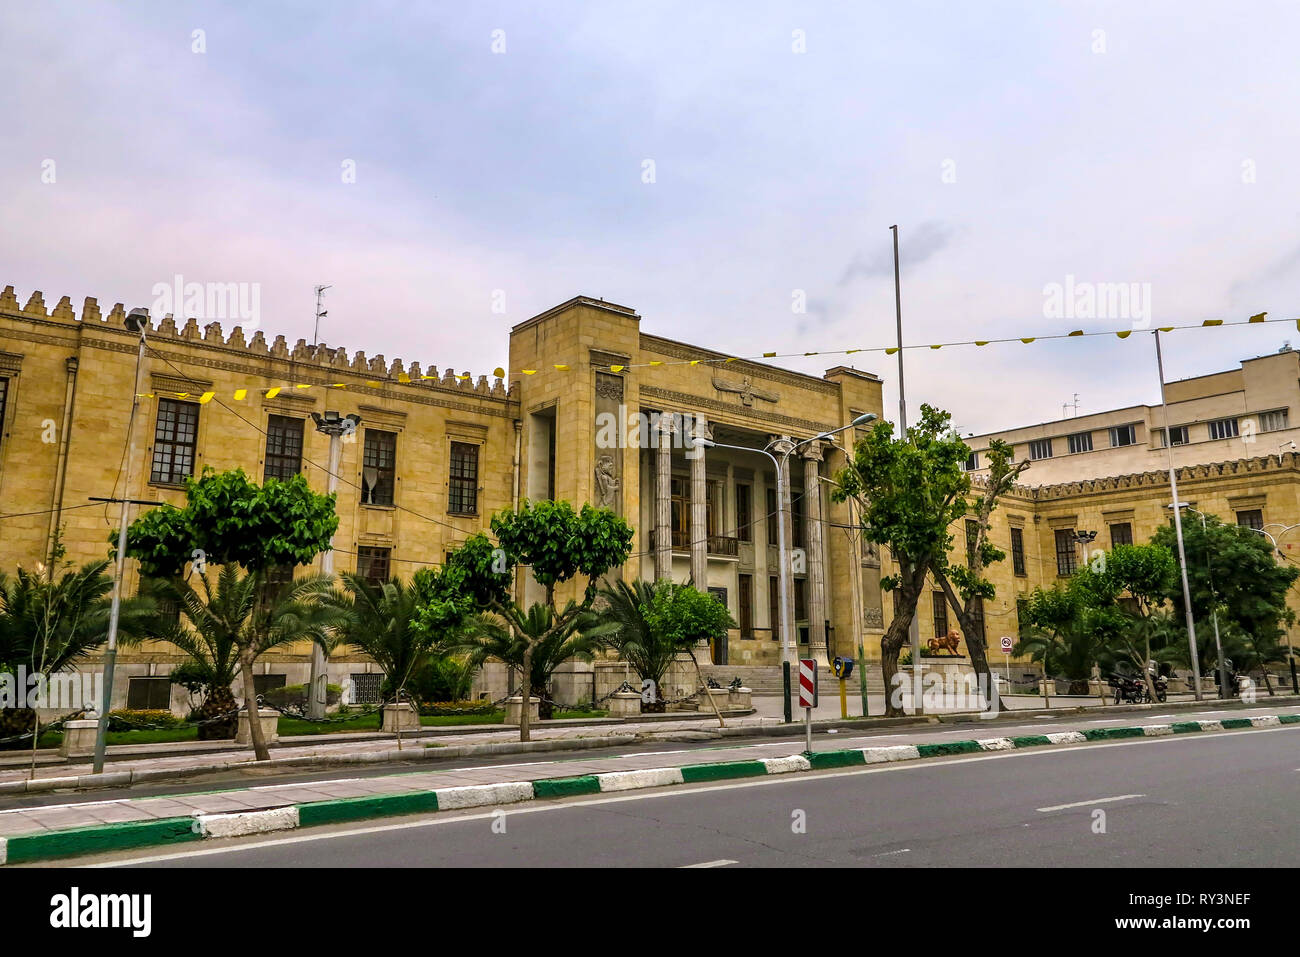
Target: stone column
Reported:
[(699, 520), (664, 499), (812, 459), (699, 507), (779, 445)]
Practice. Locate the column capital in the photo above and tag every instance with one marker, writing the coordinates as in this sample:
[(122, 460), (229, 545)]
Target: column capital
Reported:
[(780, 444), (813, 452), (700, 428)]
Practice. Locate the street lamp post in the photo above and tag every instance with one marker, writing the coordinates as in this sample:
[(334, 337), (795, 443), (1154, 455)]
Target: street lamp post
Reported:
[(1178, 528), (335, 426), (783, 579), (138, 322), (1214, 601)]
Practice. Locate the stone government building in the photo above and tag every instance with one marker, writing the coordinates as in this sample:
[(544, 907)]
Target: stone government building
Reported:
[(437, 453)]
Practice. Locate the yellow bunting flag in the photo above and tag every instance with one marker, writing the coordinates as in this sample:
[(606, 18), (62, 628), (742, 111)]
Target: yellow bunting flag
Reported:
[(981, 342), (733, 359), (772, 355), (206, 397), (561, 367), (374, 384), (617, 368), (1077, 332), (344, 385), (240, 394), (1258, 317), (272, 392), (1166, 328), (305, 386), (891, 350), (1212, 322), (1125, 333), (655, 362), (936, 347), (404, 378), (1028, 340), (694, 362), (528, 371), (499, 372)]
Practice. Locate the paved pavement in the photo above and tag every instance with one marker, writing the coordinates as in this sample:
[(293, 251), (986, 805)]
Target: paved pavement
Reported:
[(1190, 801), (36, 813)]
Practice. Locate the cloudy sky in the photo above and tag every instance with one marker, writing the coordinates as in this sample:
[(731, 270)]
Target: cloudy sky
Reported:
[(502, 151)]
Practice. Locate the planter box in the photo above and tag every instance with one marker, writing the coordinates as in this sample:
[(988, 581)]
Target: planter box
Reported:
[(400, 717), (270, 726), (514, 706), (78, 737), (740, 700), (624, 704)]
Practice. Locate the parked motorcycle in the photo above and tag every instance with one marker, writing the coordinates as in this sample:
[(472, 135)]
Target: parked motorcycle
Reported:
[(1128, 690)]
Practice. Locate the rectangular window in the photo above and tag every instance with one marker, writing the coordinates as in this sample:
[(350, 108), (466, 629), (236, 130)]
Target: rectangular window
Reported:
[(1122, 435), (977, 613), (149, 694), (1179, 433), (938, 602), (462, 485), (972, 541), (1080, 442), (1065, 554), (679, 503), (773, 525), (4, 400), (264, 683), (796, 519), (774, 607), (283, 448), (745, 603), (372, 564), (972, 462), (1121, 533), (801, 599), (1040, 449), (379, 467), (1018, 551), (1223, 429), (1252, 518), (174, 438), (744, 513), (1273, 421)]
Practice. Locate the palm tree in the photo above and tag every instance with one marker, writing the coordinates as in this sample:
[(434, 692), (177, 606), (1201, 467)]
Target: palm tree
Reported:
[(490, 636), (380, 624), (225, 614), (49, 623), (1062, 633), (650, 651)]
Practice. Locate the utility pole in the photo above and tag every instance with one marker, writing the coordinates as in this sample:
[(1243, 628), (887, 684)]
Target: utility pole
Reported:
[(1178, 530), (138, 322), (335, 426), (914, 630)]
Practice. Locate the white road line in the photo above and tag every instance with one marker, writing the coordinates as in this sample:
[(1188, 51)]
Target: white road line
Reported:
[(722, 863), (905, 850), (1118, 797)]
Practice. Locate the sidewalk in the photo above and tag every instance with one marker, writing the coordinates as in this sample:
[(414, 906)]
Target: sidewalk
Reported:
[(56, 831)]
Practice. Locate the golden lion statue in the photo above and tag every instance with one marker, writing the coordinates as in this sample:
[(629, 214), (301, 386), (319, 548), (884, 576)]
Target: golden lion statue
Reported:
[(948, 642)]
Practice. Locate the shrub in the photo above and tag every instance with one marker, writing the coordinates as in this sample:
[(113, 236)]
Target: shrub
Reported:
[(295, 696), (125, 719), (457, 707), (442, 679)]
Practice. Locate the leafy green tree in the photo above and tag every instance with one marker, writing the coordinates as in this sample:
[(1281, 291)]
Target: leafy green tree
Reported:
[(965, 586), (558, 545), (1232, 569), (1059, 629), (230, 520), (50, 620), (909, 492), (1125, 590)]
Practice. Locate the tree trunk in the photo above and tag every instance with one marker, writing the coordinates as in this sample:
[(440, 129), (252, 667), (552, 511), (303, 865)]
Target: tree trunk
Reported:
[(979, 659), (526, 690), (219, 701), (260, 752), (894, 639)]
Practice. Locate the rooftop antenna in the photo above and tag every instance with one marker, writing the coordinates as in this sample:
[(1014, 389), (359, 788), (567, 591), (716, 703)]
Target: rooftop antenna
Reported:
[(1066, 405), (320, 314)]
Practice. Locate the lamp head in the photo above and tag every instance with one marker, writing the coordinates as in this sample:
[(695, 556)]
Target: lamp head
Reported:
[(137, 320), (864, 419)]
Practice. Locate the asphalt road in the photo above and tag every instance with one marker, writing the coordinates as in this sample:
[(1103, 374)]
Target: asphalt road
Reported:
[(762, 746), (1229, 798)]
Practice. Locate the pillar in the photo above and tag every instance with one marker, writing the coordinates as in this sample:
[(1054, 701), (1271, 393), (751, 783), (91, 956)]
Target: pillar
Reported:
[(663, 499), (779, 445), (812, 459), (699, 518)]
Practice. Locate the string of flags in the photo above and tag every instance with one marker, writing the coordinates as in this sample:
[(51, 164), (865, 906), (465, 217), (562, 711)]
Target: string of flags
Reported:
[(500, 373)]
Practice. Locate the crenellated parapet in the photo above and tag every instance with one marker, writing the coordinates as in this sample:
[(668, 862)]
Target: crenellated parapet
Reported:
[(329, 359)]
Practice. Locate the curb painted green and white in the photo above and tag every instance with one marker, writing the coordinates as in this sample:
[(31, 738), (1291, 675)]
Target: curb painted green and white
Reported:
[(101, 838)]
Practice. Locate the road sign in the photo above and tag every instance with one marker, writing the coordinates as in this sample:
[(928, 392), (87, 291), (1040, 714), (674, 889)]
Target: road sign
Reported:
[(807, 683), (1007, 644)]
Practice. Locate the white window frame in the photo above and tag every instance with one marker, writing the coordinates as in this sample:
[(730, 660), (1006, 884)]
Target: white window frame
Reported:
[(1040, 445), (1130, 430), (1079, 438), (1264, 416), (1235, 432)]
